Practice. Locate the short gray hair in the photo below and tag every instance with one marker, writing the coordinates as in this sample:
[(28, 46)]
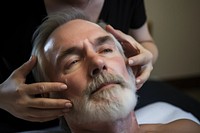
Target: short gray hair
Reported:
[(42, 33)]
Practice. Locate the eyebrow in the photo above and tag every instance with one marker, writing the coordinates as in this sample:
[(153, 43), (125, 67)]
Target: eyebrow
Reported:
[(103, 39), (73, 50), (69, 51)]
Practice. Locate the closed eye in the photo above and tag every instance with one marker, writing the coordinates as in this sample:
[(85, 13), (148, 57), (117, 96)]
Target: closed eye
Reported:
[(74, 62), (71, 64), (107, 50)]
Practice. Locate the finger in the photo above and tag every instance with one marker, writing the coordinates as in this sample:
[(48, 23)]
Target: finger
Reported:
[(49, 103), (44, 87), (139, 83), (140, 59), (43, 115), (26, 68), (138, 86), (116, 33), (43, 119), (144, 75), (129, 49), (128, 45)]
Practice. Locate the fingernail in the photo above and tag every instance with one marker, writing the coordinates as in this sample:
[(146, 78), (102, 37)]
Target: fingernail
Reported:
[(63, 87), (68, 105), (130, 62), (138, 81)]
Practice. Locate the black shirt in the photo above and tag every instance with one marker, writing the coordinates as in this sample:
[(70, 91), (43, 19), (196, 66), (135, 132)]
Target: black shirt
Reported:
[(124, 14)]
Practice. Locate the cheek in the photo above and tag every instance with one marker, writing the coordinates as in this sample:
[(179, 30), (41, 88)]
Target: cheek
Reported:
[(118, 65), (76, 85)]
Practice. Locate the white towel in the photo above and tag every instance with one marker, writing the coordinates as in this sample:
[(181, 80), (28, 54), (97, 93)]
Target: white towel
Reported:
[(161, 112)]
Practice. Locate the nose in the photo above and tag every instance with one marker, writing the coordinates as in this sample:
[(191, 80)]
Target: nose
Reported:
[(97, 66), (96, 62)]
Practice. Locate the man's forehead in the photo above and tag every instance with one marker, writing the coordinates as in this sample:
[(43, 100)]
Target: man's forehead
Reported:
[(76, 30), (81, 22), (79, 25)]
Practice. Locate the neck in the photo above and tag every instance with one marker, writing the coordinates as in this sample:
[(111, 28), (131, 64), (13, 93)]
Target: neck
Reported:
[(56, 5), (90, 7), (77, 3), (125, 125)]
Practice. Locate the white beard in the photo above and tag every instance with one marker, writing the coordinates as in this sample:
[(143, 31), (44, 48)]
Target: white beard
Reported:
[(105, 105)]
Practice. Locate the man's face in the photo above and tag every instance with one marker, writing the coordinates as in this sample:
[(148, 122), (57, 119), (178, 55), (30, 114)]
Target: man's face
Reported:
[(85, 57)]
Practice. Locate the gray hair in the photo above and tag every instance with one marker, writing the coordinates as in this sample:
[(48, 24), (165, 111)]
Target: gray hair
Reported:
[(42, 33)]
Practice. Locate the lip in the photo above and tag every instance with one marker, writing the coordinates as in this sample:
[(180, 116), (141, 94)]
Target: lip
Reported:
[(105, 86)]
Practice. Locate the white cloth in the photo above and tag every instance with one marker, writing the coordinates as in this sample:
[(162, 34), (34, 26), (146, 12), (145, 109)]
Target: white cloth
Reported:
[(161, 112)]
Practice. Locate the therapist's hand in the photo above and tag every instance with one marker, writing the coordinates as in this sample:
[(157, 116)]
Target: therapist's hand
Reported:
[(20, 99), (144, 59)]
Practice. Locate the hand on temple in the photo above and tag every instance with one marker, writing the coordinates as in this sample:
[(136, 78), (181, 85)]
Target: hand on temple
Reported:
[(144, 59), (20, 99)]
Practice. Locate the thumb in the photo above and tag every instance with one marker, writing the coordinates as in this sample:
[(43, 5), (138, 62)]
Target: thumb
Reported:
[(26, 68)]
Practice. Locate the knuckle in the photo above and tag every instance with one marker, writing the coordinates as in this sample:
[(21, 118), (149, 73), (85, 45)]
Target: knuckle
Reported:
[(150, 67), (41, 89), (19, 89)]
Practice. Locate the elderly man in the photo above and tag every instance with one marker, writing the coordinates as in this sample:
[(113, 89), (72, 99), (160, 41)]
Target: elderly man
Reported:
[(101, 85)]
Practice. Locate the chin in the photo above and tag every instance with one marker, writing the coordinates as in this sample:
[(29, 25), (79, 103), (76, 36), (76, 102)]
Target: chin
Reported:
[(107, 105)]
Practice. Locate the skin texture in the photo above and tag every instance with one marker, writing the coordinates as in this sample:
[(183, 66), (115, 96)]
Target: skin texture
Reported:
[(80, 69), (88, 59)]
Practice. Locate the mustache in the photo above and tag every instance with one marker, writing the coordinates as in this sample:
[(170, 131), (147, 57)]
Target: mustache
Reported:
[(102, 79)]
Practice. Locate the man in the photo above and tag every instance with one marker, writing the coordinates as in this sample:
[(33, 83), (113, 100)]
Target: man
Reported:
[(101, 85)]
